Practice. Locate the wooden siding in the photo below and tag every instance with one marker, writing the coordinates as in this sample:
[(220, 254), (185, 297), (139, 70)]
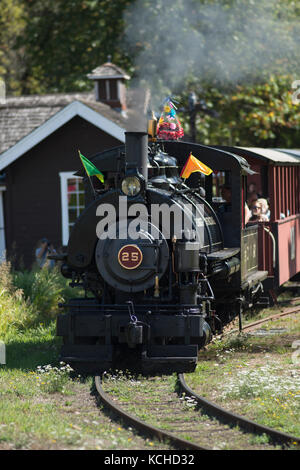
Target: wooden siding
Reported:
[(284, 191), (33, 200), (288, 250)]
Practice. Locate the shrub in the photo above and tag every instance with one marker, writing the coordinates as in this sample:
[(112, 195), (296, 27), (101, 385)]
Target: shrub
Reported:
[(15, 311), (28, 298), (43, 288)]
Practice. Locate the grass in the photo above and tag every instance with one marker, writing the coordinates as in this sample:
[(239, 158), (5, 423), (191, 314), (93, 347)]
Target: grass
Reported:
[(156, 402), (257, 376), (42, 405)]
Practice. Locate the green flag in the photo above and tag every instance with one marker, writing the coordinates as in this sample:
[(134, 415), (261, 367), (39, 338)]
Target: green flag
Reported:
[(90, 168)]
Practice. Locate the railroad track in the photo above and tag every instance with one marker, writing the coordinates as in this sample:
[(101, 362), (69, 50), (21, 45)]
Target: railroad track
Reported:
[(235, 419), (276, 316), (142, 426), (203, 431), (288, 301), (223, 416)]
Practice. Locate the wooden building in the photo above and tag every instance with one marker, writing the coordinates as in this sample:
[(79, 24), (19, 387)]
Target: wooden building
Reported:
[(39, 141)]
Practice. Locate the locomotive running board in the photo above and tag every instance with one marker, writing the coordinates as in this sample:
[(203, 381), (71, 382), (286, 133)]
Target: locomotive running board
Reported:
[(254, 279), (224, 254)]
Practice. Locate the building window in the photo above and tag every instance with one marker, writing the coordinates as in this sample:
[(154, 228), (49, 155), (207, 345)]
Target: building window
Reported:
[(2, 228), (72, 202)]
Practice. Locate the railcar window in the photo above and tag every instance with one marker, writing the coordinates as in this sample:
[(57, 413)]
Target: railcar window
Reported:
[(221, 190), (218, 180)]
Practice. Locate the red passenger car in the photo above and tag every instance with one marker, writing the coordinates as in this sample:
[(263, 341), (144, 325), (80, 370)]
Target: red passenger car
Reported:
[(277, 178)]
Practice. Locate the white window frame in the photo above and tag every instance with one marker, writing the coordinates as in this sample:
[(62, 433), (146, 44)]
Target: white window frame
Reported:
[(64, 176), (2, 228)]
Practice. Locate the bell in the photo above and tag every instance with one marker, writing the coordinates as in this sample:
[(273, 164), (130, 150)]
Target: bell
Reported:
[(152, 125)]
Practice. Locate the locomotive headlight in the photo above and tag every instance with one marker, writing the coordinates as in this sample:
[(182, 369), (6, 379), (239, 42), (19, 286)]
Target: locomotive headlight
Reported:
[(131, 186)]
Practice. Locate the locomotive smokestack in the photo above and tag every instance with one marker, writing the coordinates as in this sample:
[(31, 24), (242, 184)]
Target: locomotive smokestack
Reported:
[(136, 149)]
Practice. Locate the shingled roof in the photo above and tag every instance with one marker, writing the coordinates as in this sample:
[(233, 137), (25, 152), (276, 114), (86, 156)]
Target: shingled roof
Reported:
[(26, 120), (108, 70), (19, 116)]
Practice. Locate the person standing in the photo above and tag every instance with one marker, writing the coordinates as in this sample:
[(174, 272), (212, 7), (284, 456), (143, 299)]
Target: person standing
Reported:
[(44, 248)]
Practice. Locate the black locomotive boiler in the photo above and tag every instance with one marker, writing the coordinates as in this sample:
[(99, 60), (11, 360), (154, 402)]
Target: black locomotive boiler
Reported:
[(152, 301)]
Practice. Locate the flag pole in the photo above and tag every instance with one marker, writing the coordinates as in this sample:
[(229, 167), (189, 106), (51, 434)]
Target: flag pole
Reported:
[(95, 194)]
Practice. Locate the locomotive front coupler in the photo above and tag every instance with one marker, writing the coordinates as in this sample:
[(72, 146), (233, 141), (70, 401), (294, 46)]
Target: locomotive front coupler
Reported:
[(134, 330)]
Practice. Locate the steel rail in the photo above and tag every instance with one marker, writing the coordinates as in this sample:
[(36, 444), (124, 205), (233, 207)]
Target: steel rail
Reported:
[(233, 418), (289, 311), (288, 301), (143, 426)]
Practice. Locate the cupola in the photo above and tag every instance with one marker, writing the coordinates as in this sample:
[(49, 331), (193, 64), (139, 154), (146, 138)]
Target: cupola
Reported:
[(109, 80)]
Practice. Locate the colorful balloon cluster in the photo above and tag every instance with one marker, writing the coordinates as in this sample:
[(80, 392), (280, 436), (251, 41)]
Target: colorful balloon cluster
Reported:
[(169, 127)]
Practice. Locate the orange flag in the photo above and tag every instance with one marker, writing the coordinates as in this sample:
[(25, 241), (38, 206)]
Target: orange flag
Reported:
[(193, 164)]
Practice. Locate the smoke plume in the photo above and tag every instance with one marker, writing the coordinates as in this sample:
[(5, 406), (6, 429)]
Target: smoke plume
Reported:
[(219, 42)]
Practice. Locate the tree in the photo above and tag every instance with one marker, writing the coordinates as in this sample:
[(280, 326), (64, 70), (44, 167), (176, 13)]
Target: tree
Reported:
[(220, 42), (263, 115), (66, 39), (241, 56), (12, 23)]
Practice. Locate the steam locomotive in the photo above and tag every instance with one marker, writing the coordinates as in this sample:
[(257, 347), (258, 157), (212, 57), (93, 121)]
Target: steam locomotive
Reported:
[(163, 265)]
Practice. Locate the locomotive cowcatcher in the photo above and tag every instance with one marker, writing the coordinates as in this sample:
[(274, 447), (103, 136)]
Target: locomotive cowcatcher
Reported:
[(151, 302)]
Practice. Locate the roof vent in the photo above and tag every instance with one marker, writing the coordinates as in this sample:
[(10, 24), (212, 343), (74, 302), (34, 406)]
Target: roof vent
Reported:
[(110, 87)]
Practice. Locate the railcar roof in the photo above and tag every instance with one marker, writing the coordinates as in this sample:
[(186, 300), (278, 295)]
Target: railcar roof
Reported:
[(294, 152), (242, 161), (274, 155)]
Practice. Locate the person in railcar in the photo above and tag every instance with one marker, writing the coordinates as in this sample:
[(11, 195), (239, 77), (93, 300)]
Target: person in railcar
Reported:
[(265, 211), (257, 212)]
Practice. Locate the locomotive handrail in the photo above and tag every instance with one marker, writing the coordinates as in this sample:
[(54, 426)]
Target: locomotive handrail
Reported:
[(273, 243), (205, 202), (203, 218)]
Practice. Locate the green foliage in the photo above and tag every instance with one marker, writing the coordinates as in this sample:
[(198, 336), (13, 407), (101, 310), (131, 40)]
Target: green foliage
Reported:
[(255, 115), (241, 56), (43, 288), (221, 42), (28, 298), (15, 312), (11, 25), (66, 39)]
